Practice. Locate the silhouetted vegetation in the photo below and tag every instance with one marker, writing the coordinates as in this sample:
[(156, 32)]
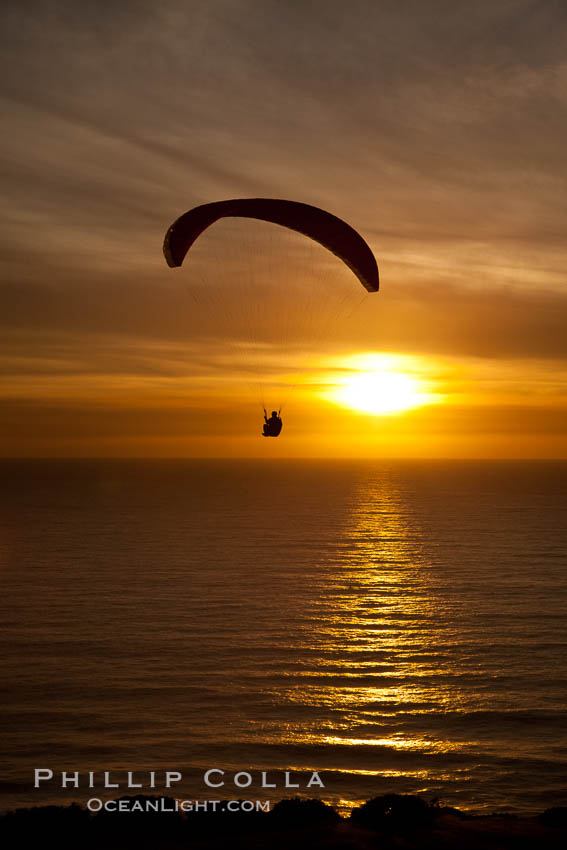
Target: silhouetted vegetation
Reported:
[(387, 822), (298, 813), (395, 813), (556, 817)]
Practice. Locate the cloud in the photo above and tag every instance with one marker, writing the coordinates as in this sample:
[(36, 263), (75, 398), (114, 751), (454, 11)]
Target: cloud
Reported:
[(120, 317), (438, 131)]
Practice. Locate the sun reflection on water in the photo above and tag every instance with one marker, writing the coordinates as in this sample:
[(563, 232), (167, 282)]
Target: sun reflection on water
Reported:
[(374, 631)]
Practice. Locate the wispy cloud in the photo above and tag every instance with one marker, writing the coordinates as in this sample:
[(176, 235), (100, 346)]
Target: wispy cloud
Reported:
[(438, 129)]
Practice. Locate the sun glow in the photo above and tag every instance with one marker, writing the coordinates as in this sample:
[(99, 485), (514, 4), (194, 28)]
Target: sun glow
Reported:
[(382, 385)]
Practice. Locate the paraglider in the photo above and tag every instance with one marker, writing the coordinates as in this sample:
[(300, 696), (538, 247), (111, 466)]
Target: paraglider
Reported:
[(273, 425), (322, 227)]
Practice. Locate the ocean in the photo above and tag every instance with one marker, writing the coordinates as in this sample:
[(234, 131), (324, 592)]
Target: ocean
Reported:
[(393, 626)]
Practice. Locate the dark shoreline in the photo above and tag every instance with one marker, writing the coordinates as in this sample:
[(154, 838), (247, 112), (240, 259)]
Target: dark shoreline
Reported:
[(390, 821)]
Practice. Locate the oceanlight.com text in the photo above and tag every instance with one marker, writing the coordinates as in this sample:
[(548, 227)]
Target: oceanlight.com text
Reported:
[(166, 804)]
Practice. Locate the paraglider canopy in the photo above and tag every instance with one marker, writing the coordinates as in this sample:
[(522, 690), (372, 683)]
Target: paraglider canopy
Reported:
[(323, 227)]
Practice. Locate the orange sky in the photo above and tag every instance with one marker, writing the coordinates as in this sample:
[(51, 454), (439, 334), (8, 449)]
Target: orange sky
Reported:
[(438, 132)]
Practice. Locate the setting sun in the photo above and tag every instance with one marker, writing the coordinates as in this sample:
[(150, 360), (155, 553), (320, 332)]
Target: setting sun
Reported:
[(380, 393), (382, 384)]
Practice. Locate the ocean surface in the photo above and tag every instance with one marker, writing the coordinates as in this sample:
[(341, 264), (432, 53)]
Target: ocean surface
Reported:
[(394, 626)]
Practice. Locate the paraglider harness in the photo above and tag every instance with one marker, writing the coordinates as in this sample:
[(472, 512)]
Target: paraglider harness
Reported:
[(273, 425)]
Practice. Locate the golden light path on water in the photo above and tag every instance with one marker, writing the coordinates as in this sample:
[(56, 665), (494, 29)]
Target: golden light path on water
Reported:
[(373, 620)]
